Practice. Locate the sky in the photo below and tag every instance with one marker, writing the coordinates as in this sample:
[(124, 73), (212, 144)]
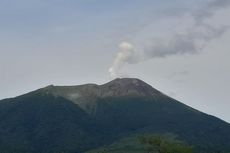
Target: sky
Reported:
[(180, 47)]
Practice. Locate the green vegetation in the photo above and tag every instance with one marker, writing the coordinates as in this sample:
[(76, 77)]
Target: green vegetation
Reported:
[(161, 144), (164, 143)]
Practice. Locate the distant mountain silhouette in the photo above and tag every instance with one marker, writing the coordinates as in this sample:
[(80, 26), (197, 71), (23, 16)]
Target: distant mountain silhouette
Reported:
[(74, 119)]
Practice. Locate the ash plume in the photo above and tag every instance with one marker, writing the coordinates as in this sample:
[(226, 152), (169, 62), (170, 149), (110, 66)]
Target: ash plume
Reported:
[(193, 39)]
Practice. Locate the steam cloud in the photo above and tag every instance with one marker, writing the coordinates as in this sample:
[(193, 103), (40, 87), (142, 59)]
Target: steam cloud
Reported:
[(191, 41), (126, 55)]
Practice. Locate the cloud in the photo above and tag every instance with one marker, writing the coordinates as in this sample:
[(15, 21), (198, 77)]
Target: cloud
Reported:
[(190, 35), (209, 9)]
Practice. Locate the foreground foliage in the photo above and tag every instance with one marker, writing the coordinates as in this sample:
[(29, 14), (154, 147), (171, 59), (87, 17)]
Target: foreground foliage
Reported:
[(161, 144), (164, 143)]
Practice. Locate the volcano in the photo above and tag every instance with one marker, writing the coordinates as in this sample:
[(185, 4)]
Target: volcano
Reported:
[(75, 119)]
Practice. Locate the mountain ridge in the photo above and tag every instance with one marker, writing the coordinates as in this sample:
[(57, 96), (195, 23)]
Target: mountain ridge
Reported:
[(124, 84), (82, 94)]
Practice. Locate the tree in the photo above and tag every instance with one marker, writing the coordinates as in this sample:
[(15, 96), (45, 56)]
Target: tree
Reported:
[(162, 144)]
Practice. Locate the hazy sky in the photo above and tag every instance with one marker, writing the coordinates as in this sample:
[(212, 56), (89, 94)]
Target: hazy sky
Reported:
[(180, 47)]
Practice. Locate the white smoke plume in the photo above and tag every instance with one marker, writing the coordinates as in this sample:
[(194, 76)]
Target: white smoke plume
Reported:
[(190, 40), (126, 55)]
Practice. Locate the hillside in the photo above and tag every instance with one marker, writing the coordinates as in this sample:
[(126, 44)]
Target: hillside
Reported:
[(75, 119)]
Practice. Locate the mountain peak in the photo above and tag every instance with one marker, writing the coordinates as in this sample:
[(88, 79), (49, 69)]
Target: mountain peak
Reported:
[(129, 86), (127, 81), (86, 95), (116, 87)]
